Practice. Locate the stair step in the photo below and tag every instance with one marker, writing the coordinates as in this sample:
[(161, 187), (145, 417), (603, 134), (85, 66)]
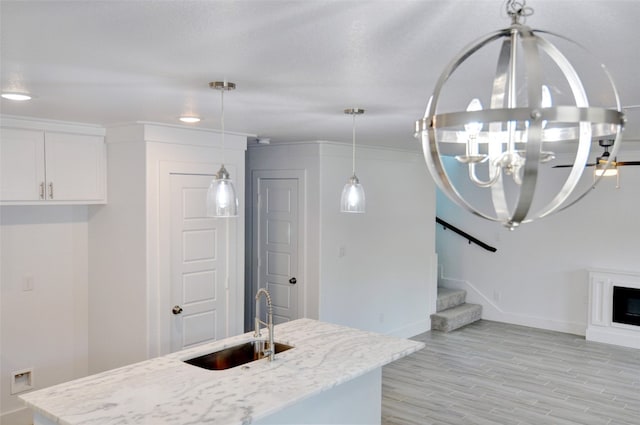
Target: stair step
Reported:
[(456, 317), (448, 298)]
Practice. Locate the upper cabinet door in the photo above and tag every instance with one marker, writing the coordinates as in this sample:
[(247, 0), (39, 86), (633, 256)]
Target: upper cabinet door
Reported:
[(22, 174), (74, 167)]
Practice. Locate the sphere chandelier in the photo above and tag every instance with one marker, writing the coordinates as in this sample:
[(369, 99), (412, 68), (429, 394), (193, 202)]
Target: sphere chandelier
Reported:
[(492, 154)]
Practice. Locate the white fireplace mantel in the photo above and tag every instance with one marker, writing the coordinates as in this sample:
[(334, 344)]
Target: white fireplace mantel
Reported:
[(600, 326)]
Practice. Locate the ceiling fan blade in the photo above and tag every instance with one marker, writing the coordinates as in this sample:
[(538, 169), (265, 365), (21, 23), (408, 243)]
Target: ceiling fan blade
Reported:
[(621, 163), (570, 165)]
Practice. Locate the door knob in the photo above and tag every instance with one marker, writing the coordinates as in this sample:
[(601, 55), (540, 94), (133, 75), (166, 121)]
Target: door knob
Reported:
[(176, 309), (293, 281)]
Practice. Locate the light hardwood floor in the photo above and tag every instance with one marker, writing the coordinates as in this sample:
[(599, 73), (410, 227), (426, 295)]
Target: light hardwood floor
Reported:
[(496, 373)]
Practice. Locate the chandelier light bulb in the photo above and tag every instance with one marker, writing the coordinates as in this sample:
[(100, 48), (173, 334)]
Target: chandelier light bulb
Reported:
[(473, 128), (546, 97)]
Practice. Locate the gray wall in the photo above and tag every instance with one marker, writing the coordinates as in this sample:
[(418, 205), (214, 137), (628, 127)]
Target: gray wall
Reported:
[(386, 279), (538, 276)]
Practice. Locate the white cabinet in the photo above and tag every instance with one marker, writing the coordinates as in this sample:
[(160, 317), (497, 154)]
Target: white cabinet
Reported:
[(45, 167), (22, 165), (75, 167)]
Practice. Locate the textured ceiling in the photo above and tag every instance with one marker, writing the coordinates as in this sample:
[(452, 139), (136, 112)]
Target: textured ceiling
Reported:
[(297, 64)]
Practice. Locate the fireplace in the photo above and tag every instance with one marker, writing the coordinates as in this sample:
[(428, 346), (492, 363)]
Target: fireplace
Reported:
[(614, 307), (626, 305)]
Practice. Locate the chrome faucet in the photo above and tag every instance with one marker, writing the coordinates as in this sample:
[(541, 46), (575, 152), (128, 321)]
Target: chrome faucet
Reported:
[(271, 351)]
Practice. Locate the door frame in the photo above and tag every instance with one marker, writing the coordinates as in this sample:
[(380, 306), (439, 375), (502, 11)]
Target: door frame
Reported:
[(252, 239), (160, 296)]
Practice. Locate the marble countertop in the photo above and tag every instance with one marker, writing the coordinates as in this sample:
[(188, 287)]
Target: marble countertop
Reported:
[(165, 390)]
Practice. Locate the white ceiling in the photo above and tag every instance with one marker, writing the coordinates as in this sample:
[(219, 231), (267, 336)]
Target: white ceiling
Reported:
[(297, 64)]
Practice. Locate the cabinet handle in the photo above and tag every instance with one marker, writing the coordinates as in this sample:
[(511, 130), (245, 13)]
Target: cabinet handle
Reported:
[(50, 190), (42, 190)]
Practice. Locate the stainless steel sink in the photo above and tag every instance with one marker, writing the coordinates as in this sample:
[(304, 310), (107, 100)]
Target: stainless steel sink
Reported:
[(235, 356)]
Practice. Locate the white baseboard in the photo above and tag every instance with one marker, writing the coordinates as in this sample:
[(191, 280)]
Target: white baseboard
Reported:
[(542, 323), (17, 417), (491, 311), (613, 336), (412, 329)]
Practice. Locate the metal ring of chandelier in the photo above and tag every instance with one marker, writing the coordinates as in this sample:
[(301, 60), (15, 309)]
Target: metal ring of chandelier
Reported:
[(518, 130)]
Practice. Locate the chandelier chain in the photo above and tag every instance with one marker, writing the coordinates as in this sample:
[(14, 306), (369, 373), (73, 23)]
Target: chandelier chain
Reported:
[(517, 9)]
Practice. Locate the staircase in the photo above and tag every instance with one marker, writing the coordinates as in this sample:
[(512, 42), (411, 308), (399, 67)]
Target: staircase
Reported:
[(452, 310)]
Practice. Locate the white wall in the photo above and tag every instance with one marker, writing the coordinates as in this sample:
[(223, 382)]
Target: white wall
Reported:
[(386, 280), (538, 276), (303, 157), (117, 249), (45, 328)]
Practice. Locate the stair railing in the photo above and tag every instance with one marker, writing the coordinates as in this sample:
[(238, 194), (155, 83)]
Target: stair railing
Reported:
[(465, 235)]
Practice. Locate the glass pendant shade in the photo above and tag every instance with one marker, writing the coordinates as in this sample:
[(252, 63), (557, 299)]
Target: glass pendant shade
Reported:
[(222, 200), (352, 199)]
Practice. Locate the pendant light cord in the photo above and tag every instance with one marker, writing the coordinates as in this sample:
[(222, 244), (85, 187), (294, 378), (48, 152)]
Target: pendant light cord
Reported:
[(353, 155), (222, 122)]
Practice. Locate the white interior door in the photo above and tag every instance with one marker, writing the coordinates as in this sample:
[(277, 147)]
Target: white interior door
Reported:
[(199, 289), (278, 245)]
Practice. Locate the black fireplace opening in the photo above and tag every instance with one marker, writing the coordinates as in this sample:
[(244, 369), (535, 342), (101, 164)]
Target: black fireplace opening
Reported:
[(626, 305)]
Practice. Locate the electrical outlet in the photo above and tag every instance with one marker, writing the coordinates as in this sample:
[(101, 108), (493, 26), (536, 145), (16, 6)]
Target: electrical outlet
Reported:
[(22, 380), (342, 251)]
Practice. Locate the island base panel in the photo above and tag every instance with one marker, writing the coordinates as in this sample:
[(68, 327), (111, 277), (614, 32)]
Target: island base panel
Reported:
[(38, 419), (355, 402)]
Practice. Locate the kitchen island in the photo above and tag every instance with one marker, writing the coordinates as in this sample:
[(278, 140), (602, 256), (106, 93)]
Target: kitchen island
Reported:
[(332, 375)]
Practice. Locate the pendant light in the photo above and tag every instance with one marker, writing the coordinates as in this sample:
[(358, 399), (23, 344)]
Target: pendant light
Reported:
[(222, 200), (507, 145), (352, 199)]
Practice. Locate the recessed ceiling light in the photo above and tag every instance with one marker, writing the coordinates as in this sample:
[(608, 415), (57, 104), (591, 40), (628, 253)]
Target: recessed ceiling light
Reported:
[(16, 96), (190, 119)]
